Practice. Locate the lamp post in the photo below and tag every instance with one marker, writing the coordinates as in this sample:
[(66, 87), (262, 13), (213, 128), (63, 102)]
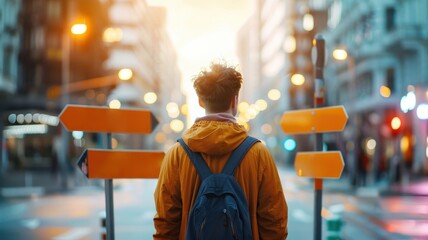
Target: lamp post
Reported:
[(75, 29), (340, 54)]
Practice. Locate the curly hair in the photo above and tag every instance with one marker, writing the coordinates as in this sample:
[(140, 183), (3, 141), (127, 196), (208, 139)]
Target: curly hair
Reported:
[(217, 86)]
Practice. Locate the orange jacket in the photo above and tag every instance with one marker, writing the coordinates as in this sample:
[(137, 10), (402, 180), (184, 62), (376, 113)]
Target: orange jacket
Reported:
[(257, 174)]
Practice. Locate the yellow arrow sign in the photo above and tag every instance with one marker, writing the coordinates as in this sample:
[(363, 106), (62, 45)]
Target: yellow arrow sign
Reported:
[(316, 120), (109, 164), (319, 164), (104, 119)]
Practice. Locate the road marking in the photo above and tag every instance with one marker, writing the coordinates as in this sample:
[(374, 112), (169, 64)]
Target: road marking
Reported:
[(73, 234)]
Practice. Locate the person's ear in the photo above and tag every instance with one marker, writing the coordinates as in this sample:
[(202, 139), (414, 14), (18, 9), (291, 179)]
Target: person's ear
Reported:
[(201, 103), (234, 105)]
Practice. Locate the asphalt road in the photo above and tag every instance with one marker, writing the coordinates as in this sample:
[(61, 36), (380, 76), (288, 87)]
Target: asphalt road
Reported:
[(76, 214)]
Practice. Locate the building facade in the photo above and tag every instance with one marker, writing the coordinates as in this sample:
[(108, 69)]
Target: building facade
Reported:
[(273, 47), (9, 46), (387, 47), (51, 65), (137, 40)]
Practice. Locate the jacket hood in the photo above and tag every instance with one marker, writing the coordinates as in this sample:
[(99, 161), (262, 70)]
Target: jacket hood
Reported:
[(214, 137)]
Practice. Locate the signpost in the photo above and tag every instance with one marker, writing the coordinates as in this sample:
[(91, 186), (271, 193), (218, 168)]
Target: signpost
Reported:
[(106, 163), (316, 120), (317, 164), (109, 164), (104, 119)]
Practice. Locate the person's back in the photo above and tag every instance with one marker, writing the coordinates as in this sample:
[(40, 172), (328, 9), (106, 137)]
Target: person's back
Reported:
[(215, 136)]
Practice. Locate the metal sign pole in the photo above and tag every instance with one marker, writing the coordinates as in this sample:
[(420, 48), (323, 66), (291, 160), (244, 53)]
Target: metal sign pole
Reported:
[(108, 184), (319, 59)]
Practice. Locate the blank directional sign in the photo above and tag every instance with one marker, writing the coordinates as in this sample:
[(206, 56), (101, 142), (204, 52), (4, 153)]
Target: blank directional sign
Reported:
[(104, 119), (319, 164), (109, 164), (316, 120)]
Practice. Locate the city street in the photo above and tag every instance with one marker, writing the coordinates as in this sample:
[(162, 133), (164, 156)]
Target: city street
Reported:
[(338, 89), (77, 213)]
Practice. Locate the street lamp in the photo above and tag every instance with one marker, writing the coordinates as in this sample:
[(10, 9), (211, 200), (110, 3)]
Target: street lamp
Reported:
[(297, 79), (340, 54), (79, 28), (125, 74), (75, 29)]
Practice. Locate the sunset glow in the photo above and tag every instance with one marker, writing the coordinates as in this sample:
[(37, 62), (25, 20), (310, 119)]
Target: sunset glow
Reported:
[(203, 32)]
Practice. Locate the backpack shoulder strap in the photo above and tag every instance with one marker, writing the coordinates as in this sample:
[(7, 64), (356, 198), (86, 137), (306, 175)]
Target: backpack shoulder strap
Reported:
[(238, 154), (197, 160)]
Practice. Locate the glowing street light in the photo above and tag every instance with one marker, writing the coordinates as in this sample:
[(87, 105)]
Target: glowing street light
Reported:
[(150, 97), (79, 29), (422, 112), (297, 79), (114, 104), (395, 123), (274, 94), (308, 22), (261, 104), (112, 35), (176, 125), (125, 74), (385, 91), (290, 44), (243, 106), (340, 54)]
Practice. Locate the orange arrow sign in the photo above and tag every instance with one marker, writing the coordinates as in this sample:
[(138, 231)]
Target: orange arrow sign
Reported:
[(319, 164), (104, 119), (316, 120), (109, 164)]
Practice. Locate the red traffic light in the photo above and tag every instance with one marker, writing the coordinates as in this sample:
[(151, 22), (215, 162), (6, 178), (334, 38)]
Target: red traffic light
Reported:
[(395, 123)]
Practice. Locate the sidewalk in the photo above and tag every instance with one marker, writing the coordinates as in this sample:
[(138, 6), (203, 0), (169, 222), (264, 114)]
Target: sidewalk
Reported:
[(383, 211), (416, 187), (35, 183)]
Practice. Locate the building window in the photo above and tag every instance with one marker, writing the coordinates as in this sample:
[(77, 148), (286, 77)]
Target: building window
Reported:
[(390, 79), (38, 38), (390, 19), (54, 9), (365, 85)]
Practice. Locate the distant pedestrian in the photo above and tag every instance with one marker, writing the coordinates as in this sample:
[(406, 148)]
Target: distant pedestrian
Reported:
[(215, 136)]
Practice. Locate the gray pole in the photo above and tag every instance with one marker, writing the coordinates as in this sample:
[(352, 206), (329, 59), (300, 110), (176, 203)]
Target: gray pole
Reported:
[(109, 200), (63, 150), (318, 102)]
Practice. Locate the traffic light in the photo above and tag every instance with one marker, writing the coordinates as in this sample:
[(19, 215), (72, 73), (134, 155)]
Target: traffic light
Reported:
[(290, 144), (395, 125)]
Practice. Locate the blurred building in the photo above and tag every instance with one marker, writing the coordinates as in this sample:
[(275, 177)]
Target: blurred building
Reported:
[(274, 47), (381, 82), (387, 49), (34, 65), (42, 52), (137, 40), (9, 47)]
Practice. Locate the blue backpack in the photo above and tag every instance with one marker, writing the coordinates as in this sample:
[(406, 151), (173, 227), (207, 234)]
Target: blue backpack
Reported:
[(220, 210)]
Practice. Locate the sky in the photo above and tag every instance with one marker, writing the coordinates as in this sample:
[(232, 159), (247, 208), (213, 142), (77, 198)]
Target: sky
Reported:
[(203, 31)]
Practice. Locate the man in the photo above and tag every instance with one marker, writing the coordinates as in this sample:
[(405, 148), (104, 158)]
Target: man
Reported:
[(215, 136)]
